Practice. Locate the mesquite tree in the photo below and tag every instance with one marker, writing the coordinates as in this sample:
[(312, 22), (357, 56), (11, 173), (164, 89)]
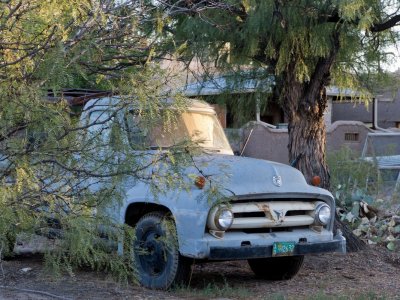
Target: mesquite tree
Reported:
[(305, 44), (55, 44)]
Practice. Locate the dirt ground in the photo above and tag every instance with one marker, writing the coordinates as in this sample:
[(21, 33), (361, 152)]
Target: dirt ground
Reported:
[(371, 274)]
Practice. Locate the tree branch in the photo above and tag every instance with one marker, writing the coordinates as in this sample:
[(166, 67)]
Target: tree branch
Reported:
[(322, 70), (334, 17), (386, 25)]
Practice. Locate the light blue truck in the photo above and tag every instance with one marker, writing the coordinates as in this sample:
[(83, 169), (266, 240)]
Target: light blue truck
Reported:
[(269, 216)]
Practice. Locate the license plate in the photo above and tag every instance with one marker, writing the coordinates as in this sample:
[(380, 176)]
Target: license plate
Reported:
[(283, 248)]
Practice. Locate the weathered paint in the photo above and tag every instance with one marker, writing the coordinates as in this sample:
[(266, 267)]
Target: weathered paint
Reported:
[(241, 179)]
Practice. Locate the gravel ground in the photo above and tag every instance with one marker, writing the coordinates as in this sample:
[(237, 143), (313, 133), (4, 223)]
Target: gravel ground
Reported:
[(370, 274)]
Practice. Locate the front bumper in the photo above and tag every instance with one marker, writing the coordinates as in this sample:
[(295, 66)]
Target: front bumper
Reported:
[(338, 244)]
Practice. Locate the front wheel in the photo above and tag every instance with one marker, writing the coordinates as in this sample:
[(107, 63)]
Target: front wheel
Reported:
[(276, 268), (156, 253)]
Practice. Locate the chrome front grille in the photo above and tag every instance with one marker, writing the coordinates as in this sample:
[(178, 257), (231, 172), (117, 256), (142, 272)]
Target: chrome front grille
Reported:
[(272, 214)]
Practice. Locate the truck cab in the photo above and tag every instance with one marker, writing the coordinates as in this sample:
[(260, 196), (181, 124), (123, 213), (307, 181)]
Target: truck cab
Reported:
[(263, 212)]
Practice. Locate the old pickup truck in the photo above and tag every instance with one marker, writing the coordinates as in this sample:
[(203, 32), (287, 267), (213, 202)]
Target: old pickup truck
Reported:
[(268, 216)]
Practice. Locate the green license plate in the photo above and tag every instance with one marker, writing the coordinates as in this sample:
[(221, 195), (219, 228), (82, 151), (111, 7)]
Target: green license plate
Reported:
[(283, 248)]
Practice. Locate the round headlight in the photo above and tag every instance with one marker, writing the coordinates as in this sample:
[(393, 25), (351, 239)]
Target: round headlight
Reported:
[(223, 218), (322, 214)]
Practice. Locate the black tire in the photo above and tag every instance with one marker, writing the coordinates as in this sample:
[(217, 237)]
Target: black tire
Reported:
[(276, 268), (156, 253)]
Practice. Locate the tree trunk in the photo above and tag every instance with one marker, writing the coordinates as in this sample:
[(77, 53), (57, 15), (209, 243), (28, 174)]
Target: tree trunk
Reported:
[(353, 243), (307, 135), (307, 139), (304, 104)]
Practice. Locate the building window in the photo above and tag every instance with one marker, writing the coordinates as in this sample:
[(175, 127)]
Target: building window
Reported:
[(397, 124), (351, 137)]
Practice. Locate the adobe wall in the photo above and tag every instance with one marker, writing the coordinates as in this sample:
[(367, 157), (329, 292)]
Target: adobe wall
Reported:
[(271, 144), (336, 135), (266, 143)]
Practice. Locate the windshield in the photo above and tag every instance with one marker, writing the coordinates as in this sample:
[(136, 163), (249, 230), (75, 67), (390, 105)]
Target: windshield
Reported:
[(200, 127)]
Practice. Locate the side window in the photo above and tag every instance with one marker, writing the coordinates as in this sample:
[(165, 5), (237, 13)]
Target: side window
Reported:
[(137, 133), (104, 127), (98, 124), (96, 119)]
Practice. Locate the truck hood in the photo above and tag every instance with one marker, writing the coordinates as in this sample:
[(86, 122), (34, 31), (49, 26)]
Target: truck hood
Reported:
[(243, 176)]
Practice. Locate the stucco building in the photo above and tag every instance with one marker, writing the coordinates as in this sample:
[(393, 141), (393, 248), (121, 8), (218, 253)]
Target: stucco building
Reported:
[(264, 133)]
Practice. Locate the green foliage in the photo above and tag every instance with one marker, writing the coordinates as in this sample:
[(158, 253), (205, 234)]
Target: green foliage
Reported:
[(49, 163), (291, 37), (241, 107), (90, 242), (363, 199), (352, 179), (50, 172)]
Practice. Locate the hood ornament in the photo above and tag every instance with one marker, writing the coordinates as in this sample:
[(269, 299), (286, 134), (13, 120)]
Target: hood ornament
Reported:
[(277, 180)]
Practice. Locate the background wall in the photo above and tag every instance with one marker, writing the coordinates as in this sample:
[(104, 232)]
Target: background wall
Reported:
[(271, 144)]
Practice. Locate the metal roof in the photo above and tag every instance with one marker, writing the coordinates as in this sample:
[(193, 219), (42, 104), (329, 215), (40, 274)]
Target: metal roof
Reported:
[(230, 84), (76, 97)]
